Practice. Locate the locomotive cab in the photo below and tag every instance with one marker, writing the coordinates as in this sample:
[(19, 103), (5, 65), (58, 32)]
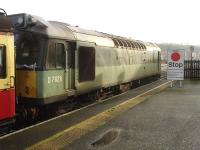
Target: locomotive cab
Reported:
[(44, 64)]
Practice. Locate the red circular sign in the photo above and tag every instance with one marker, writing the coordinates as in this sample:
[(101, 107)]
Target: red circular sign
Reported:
[(175, 56)]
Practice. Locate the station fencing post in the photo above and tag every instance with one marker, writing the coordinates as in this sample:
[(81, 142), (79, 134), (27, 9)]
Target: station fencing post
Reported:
[(191, 63)]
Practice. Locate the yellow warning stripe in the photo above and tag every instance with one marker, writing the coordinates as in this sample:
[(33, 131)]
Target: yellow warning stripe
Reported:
[(75, 132)]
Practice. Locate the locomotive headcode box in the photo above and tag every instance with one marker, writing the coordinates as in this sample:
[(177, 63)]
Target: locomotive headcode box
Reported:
[(175, 64)]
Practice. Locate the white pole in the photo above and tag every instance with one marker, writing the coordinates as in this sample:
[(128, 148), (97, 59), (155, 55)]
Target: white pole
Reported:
[(181, 84), (171, 83)]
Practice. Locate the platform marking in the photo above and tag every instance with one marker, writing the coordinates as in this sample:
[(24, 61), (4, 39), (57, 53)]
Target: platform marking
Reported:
[(75, 132)]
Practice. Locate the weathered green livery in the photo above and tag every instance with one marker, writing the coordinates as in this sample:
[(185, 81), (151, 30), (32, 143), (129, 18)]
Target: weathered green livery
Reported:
[(56, 60)]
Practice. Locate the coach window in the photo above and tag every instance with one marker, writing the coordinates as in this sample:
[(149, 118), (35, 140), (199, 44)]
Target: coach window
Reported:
[(2, 62)]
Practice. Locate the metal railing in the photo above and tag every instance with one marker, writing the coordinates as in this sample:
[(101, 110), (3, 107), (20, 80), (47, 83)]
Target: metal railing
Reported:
[(192, 69)]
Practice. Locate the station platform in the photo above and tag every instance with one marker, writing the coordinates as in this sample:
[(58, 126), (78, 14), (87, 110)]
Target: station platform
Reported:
[(168, 120), (154, 116)]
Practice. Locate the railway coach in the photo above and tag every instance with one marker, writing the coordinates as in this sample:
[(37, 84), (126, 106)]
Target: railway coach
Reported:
[(7, 67), (55, 61)]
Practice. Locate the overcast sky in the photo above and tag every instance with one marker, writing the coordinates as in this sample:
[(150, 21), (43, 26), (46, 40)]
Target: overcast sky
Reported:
[(176, 21)]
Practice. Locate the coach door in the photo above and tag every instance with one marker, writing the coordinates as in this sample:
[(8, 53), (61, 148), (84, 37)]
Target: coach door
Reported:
[(6, 66)]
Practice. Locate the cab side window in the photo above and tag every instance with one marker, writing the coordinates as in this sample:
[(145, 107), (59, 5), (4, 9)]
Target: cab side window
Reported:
[(55, 56), (2, 61), (60, 55), (51, 60)]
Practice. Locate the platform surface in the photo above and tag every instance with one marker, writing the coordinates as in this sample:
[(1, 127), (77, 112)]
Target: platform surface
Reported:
[(169, 120)]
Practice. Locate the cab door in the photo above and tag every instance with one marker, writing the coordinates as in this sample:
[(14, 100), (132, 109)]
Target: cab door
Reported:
[(69, 66), (66, 72), (56, 71)]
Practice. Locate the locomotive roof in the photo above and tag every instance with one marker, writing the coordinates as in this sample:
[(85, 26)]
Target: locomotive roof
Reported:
[(58, 29), (63, 30), (66, 31), (52, 29)]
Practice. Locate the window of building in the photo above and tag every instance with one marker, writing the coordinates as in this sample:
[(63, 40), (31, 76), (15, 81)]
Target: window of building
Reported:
[(2, 62)]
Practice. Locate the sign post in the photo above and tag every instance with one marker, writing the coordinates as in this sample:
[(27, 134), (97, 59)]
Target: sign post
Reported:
[(175, 65)]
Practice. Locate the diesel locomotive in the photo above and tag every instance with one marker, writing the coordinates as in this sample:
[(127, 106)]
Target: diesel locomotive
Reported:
[(55, 61), (7, 71)]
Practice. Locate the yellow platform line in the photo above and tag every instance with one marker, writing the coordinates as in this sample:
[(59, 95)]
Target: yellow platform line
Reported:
[(75, 132)]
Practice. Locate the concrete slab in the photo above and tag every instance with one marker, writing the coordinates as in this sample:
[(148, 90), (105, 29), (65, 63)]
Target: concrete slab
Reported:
[(168, 120)]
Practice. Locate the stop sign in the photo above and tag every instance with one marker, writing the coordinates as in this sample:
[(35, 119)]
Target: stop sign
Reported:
[(175, 64)]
